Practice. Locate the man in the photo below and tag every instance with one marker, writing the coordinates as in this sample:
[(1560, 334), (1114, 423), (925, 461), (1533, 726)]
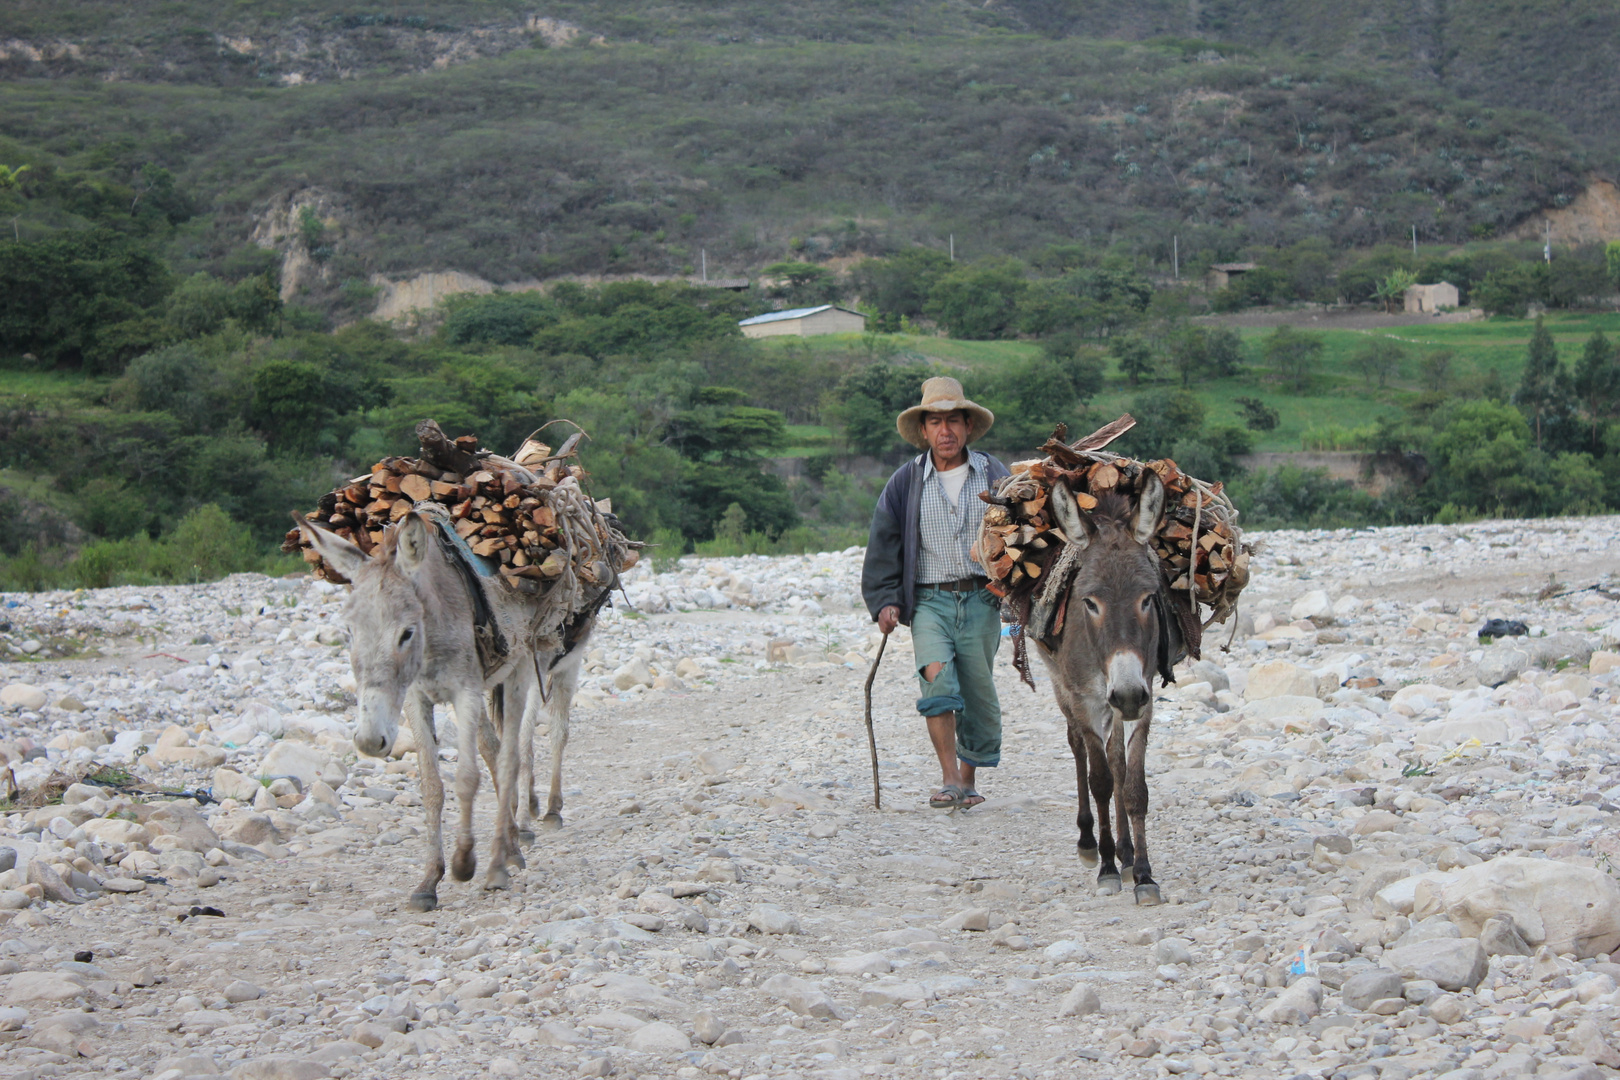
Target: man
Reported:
[(918, 573)]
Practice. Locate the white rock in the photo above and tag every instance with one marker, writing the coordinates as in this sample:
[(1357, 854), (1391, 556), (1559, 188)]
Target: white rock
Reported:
[(230, 784), (22, 696), (768, 919), (1081, 1000), (1062, 952), (1312, 605), (659, 1038), (1279, 678), (635, 673), (1489, 730), (1569, 908), (1295, 1005), (303, 762)]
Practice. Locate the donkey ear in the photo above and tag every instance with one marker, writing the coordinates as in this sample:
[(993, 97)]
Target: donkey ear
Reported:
[(1076, 525), (1149, 508), (342, 556), (412, 542)]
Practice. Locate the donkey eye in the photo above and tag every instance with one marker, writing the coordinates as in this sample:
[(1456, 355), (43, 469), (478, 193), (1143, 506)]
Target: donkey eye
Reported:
[(405, 637), (1147, 603), (1091, 606)]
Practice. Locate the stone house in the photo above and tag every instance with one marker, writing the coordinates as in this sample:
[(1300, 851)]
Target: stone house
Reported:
[(1430, 299)]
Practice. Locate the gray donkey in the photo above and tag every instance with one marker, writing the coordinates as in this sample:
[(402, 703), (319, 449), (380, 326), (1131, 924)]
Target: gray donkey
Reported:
[(412, 618), (1116, 632)]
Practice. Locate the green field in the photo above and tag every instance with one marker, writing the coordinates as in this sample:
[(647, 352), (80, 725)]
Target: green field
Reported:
[(1339, 398)]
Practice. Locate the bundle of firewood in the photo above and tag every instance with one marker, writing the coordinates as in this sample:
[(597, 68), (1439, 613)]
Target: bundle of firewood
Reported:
[(1199, 545), (529, 513)]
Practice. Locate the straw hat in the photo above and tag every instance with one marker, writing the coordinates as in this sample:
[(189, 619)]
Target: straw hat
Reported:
[(943, 394)]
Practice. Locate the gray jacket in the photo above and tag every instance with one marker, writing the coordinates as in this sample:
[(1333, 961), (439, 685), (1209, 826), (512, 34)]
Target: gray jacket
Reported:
[(889, 575)]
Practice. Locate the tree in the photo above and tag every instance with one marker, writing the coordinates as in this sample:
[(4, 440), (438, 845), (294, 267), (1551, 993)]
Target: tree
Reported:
[(58, 294), (803, 283), (10, 178), (1225, 351), (1189, 353), (1611, 259), (1597, 381), (1436, 369), (865, 403), (899, 286), (1294, 355), (1544, 387), (1392, 287), (1378, 359), (978, 301), (1257, 415), (1510, 290), (1135, 357), (290, 403)]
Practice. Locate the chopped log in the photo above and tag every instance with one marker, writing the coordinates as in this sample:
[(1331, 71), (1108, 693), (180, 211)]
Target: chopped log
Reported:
[(452, 456), (415, 487)]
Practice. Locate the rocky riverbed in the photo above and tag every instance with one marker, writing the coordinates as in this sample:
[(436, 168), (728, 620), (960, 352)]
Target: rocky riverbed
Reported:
[(1387, 849)]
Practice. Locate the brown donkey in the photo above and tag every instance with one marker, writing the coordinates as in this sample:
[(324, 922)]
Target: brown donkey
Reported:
[(1116, 633)]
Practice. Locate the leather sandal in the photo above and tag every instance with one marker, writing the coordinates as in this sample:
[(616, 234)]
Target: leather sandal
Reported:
[(948, 797)]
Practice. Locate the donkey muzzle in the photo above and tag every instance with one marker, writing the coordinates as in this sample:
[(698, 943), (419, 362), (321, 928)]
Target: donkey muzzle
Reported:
[(1128, 690)]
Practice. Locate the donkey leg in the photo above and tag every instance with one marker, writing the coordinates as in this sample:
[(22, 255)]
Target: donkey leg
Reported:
[(504, 775), (562, 697), (528, 808), (1124, 840), (469, 709), (1087, 844), (1102, 792), (1136, 804), (520, 706), (419, 711)]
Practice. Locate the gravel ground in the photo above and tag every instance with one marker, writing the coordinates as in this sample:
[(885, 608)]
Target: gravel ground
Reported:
[(1386, 849)]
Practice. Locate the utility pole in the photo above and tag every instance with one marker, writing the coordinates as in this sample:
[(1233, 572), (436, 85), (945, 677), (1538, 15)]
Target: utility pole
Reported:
[(1175, 256), (1414, 241), (1546, 250), (705, 252), (953, 247)]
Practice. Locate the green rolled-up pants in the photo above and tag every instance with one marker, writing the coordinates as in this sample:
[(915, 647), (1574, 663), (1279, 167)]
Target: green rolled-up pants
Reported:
[(961, 630)]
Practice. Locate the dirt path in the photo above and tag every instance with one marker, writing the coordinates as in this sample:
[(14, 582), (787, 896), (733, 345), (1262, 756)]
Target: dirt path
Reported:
[(724, 900)]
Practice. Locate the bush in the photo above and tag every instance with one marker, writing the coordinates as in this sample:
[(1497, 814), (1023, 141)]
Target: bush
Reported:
[(1289, 497), (978, 301)]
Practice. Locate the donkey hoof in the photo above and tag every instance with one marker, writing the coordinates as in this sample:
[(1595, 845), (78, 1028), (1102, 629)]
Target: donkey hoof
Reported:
[(1108, 885), (1088, 856), (463, 865), (551, 821), (423, 901), (497, 878), (1127, 875), (1147, 894), (526, 835)]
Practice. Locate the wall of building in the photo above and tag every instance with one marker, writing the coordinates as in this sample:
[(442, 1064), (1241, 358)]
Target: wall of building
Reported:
[(833, 321), (774, 329)]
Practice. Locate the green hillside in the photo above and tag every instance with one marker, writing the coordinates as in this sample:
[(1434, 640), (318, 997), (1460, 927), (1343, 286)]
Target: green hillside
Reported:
[(630, 159), (1554, 57)]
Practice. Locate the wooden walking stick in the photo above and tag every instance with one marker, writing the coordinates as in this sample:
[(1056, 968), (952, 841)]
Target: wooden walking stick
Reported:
[(871, 738)]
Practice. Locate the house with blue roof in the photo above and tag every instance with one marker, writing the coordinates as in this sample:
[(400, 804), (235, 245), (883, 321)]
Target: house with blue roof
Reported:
[(805, 322)]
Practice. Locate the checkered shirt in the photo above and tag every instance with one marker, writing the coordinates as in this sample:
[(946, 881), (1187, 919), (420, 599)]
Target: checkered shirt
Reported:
[(947, 532)]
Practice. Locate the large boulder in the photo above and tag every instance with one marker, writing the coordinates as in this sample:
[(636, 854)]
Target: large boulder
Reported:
[(22, 696), (1502, 663), (1313, 605), (304, 763), (1547, 651), (1279, 678), (1453, 963), (1569, 908)]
